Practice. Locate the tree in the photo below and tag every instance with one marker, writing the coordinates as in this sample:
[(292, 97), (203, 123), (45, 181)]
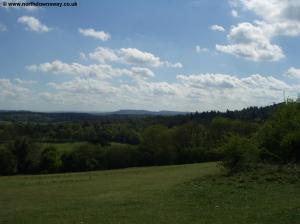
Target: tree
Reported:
[(279, 137), (83, 158), (27, 154), (240, 154), (50, 160), (8, 163)]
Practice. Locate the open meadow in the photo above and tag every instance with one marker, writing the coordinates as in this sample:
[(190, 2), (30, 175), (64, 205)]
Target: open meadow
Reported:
[(196, 193)]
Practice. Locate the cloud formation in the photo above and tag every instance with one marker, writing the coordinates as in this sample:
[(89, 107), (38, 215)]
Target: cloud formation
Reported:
[(217, 28), (100, 35), (100, 71), (254, 40), (33, 24), (130, 56), (10, 90), (201, 49), (293, 73)]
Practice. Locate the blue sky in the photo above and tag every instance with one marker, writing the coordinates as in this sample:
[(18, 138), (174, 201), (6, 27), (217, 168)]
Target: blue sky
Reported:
[(155, 55)]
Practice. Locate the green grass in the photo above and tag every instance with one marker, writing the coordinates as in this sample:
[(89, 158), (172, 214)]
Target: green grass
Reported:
[(195, 193)]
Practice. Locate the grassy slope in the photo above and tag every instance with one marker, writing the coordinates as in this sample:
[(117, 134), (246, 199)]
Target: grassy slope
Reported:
[(170, 194)]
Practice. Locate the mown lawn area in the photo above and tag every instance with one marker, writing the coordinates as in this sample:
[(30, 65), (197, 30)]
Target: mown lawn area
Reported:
[(196, 193)]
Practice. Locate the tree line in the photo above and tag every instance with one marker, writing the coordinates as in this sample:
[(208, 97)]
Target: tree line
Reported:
[(242, 140)]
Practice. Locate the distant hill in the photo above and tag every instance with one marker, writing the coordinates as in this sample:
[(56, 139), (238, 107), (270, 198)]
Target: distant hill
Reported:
[(143, 112), (250, 113)]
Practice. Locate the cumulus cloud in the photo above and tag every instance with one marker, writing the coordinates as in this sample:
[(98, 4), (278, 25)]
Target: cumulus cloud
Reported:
[(33, 24), (221, 91), (253, 40), (143, 73), (25, 82), (217, 28), (234, 13), (102, 55), (225, 81), (101, 35), (293, 73), (85, 85), (130, 56), (100, 71), (201, 49), (188, 92), (9, 90)]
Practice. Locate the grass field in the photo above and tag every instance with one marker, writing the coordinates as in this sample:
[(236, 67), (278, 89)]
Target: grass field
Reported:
[(195, 193)]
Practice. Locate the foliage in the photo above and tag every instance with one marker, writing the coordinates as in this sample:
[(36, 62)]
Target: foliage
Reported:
[(8, 164), (279, 137), (240, 154), (83, 158), (27, 154), (50, 160)]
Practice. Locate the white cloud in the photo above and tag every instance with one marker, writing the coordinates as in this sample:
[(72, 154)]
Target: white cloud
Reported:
[(234, 13), (25, 82), (101, 35), (82, 56), (223, 91), (217, 28), (99, 70), (143, 73), (2, 27), (9, 90), (102, 54), (189, 92), (82, 85), (253, 51), (200, 49), (253, 41), (33, 24), (130, 56), (293, 73), (137, 57)]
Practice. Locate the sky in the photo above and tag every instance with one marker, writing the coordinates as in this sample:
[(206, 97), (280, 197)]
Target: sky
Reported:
[(180, 55)]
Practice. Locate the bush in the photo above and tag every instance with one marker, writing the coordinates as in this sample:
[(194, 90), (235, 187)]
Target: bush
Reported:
[(280, 136), (240, 154), (290, 144), (83, 158), (27, 155), (8, 163), (120, 156), (157, 147), (50, 160)]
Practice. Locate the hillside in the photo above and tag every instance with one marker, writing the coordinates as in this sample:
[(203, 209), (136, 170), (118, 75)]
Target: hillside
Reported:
[(194, 193)]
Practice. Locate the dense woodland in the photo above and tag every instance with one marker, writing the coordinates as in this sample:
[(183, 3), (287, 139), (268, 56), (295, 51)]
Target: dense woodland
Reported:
[(242, 140)]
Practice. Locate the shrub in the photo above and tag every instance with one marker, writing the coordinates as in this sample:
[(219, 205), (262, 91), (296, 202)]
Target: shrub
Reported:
[(83, 158), (240, 154), (120, 155), (290, 144), (280, 136), (50, 160), (27, 154)]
